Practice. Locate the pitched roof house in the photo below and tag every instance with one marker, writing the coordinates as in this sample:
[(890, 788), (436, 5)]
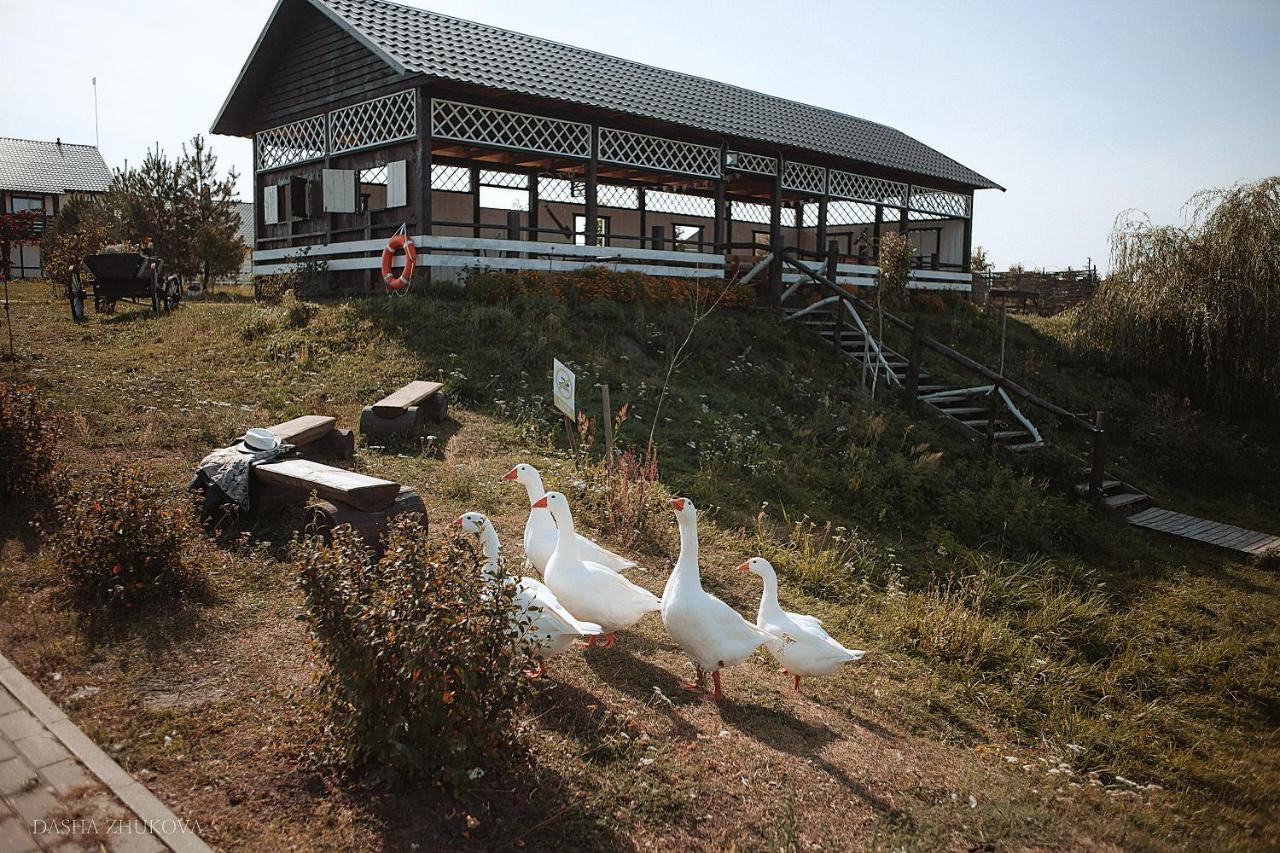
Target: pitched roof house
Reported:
[(39, 176), (368, 115)]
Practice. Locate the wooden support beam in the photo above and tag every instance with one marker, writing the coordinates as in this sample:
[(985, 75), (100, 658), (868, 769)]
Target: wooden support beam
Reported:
[(640, 200), (820, 238), (774, 294), (533, 207), (592, 211), (422, 199), (902, 212), (475, 200), (967, 260), (718, 237), (875, 234)]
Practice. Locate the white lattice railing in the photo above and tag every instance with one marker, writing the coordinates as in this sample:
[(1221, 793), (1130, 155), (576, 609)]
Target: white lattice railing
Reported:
[(291, 143), (862, 188), (745, 161), (659, 153), (939, 202), (802, 177), (379, 121), (507, 129)]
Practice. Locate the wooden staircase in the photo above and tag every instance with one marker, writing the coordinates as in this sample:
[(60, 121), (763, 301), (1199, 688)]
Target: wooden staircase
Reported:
[(1000, 423), (987, 412)]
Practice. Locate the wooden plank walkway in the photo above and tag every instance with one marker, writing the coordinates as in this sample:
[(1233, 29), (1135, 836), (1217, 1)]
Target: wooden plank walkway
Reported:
[(1204, 530)]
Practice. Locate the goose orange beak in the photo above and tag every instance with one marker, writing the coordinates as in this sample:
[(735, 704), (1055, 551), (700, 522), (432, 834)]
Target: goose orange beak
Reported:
[(678, 504), (540, 503), (510, 475), (745, 566)]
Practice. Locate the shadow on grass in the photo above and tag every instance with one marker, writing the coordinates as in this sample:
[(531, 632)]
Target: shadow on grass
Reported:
[(521, 806), (778, 729), (638, 679)]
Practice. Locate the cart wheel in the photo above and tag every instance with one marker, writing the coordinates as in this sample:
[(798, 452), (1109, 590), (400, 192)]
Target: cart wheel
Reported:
[(77, 307), (173, 293)]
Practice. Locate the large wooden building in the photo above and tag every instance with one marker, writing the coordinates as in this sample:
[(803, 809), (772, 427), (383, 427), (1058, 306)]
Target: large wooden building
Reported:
[(506, 151)]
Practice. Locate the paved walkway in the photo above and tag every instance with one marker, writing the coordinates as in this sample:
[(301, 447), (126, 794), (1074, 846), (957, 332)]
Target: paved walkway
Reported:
[(59, 791)]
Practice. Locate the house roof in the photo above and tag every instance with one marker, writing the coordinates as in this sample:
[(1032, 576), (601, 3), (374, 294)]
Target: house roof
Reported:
[(419, 42), (30, 165)]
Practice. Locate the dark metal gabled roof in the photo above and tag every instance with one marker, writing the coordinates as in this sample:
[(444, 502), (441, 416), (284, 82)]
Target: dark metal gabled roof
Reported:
[(30, 165), (480, 55), (417, 41)]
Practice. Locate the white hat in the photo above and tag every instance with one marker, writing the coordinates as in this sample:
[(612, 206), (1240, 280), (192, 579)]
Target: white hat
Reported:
[(258, 440)]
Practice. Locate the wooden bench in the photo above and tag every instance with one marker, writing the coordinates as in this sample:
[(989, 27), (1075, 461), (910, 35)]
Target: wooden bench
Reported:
[(341, 496), (406, 411)]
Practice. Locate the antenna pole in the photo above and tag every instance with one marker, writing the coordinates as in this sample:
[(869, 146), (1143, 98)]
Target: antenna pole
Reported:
[(96, 142)]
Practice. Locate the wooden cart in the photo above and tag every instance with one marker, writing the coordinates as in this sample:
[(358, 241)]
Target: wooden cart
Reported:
[(122, 276)]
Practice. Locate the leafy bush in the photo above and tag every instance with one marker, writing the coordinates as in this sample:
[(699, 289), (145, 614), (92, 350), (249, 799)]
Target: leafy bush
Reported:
[(592, 283), (306, 275), (421, 671), (28, 443), (123, 542)]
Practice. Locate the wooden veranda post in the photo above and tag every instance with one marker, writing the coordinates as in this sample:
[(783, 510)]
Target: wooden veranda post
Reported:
[(775, 239), (968, 241), (718, 238), (1098, 457), (424, 162), (591, 210)]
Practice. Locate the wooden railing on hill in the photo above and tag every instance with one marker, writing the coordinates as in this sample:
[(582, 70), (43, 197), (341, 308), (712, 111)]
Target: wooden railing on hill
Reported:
[(920, 342)]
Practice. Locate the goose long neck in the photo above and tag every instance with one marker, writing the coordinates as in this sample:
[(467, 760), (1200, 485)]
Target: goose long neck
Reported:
[(566, 537), (533, 485), (769, 595), (490, 547), (687, 564)]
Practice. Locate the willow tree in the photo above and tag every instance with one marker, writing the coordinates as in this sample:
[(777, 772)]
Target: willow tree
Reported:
[(1198, 307)]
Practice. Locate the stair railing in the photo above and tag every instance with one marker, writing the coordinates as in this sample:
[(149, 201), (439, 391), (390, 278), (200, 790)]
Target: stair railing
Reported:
[(846, 303)]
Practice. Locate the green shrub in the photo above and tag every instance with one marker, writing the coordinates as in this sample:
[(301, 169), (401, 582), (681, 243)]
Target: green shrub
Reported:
[(420, 670), (28, 444), (123, 542)]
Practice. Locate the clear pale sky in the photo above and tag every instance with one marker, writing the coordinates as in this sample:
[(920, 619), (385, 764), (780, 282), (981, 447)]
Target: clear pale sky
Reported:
[(1081, 109)]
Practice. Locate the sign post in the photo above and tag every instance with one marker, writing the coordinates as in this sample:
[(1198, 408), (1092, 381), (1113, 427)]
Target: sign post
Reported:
[(563, 386)]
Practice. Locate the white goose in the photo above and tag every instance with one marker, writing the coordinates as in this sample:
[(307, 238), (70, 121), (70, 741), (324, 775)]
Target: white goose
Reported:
[(553, 629), (588, 589), (710, 631), (806, 649), (540, 529)]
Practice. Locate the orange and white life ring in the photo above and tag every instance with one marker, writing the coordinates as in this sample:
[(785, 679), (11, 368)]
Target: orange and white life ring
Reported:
[(398, 241)]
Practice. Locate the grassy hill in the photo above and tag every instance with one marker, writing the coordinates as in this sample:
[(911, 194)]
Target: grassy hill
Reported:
[(1040, 675)]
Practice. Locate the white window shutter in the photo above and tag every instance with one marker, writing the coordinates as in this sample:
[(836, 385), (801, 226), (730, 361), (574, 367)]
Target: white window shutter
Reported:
[(270, 205), (339, 191), (397, 183)]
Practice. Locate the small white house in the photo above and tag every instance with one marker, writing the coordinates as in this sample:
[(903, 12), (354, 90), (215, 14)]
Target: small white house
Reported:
[(40, 177)]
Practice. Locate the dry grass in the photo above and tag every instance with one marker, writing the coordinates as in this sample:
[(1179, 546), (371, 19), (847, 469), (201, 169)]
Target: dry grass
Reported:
[(209, 704)]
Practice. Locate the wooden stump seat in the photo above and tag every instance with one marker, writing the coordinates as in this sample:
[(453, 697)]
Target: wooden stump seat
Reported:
[(406, 411)]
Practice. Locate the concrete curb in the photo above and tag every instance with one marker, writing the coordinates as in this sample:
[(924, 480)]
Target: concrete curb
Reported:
[(130, 791)]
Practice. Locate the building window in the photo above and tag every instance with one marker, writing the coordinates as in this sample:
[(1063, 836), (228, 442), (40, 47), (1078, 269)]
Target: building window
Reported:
[(762, 241), (580, 230), (688, 238), (23, 202)]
